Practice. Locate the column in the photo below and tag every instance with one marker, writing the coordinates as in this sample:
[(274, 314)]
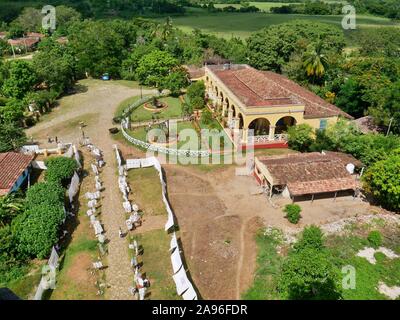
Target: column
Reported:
[(230, 114), (271, 133), (245, 135), (237, 121), (224, 106)]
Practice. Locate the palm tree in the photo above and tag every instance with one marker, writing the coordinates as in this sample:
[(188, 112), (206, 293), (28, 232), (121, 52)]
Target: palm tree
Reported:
[(166, 29), (315, 61), (10, 206)]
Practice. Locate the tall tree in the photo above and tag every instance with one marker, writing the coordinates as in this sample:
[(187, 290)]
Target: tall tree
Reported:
[(20, 80)]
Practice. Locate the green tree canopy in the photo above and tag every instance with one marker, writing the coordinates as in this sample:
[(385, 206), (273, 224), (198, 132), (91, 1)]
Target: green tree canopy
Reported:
[(54, 65), (97, 47), (382, 180), (12, 137), (20, 79), (154, 67), (271, 48), (37, 232)]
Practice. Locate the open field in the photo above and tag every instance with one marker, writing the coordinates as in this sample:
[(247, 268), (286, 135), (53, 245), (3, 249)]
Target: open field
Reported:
[(263, 6), (241, 25)]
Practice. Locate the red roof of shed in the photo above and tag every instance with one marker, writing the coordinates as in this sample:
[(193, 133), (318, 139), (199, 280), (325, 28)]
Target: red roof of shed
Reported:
[(12, 165)]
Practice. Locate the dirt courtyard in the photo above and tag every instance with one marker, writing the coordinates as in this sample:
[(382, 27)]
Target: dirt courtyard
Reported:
[(219, 214)]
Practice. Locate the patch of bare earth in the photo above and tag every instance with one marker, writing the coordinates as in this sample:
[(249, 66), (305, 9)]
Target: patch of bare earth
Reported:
[(217, 235), (79, 273)]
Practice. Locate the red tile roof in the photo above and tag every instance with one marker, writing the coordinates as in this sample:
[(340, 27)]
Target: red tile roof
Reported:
[(35, 35), (29, 42), (12, 165), (309, 173), (264, 88)]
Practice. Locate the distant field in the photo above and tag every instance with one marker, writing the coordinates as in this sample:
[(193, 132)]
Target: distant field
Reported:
[(242, 25), (264, 6)]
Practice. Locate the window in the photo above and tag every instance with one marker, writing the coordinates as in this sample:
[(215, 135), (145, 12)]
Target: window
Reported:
[(323, 124)]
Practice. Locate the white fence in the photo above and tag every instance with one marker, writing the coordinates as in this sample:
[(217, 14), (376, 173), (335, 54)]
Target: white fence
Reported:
[(164, 150), (183, 285)]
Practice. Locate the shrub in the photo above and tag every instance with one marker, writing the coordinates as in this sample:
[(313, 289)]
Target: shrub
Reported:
[(375, 239), (293, 213), (312, 237), (301, 137), (309, 274), (60, 169), (50, 193), (38, 231)]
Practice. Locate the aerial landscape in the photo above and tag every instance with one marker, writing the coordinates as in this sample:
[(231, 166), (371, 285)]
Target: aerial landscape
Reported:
[(199, 150)]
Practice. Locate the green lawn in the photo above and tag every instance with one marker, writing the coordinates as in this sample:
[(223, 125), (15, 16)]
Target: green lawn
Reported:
[(141, 134), (147, 192), (242, 25), (24, 287), (157, 264), (174, 110)]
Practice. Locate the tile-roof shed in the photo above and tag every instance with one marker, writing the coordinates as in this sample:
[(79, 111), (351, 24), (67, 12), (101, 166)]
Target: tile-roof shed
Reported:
[(256, 88), (311, 173), (12, 165), (29, 42)]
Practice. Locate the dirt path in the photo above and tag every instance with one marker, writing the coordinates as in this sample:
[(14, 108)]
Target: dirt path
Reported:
[(102, 100)]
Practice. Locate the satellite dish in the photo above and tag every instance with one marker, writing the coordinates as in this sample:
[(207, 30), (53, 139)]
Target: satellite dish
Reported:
[(350, 168)]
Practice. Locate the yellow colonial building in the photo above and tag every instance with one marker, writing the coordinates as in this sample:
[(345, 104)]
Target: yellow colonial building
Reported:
[(264, 101)]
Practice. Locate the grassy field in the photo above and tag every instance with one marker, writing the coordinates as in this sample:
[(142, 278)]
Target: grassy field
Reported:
[(24, 287), (241, 25), (147, 193), (157, 264), (263, 6), (146, 189)]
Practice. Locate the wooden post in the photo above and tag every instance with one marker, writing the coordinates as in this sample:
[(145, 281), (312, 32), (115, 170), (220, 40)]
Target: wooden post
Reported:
[(334, 199), (12, 48), (312, 198)]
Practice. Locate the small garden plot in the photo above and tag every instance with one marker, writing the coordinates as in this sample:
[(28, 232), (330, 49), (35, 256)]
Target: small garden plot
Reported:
[(146, 189), (157, 264)]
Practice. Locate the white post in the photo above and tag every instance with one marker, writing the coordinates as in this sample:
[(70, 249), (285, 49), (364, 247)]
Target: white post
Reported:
[(272, 133)]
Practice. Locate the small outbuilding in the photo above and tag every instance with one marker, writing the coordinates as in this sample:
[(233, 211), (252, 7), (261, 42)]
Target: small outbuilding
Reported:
[(308, 174), (14, 171)]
